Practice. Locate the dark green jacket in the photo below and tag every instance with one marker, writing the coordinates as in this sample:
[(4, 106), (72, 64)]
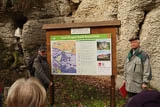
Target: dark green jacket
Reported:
[(137, 71), (42, 70)]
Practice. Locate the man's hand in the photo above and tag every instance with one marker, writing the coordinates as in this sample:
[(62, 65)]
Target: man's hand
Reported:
[(51, 83), (144, 86), (124, 81)]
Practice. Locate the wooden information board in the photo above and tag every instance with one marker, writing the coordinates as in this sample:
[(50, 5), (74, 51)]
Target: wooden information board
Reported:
[(75, 36)]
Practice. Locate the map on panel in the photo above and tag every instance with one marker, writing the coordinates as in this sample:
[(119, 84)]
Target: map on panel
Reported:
[(64, 56)]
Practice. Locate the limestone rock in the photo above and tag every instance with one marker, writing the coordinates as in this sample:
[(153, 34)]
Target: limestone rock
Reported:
[(32, 34), (7, 33), (150, 41), (119, 81), (52, 8), (96, 10), (63, 7)]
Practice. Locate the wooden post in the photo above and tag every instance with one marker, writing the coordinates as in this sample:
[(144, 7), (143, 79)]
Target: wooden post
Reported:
[(114, 69), (113, 104)]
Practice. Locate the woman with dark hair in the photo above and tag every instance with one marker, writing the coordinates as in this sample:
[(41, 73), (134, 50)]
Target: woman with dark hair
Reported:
[(148, 98)]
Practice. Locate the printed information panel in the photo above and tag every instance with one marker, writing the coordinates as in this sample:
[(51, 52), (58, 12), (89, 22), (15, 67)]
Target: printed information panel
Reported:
[(88, 54)]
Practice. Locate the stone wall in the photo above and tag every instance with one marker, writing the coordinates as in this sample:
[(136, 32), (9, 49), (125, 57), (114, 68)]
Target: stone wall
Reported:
[(7, 31), (138, 18), (96, 10), (150, 41)]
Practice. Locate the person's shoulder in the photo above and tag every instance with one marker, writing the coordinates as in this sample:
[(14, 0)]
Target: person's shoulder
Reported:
[(144, 55), (37, 58)]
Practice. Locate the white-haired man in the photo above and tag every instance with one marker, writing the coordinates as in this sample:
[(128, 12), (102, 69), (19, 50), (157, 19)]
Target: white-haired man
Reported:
[(137, 69)]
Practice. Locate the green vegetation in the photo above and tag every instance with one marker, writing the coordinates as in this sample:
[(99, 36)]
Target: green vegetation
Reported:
[(9, 57), (6, 58), (72, 93)]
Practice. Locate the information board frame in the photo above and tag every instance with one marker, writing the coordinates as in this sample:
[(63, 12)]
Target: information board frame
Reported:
[(84, 54), (95, 28)]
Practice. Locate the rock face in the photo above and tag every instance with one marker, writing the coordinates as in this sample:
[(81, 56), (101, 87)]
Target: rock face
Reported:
[(138, 18), (96, 10), (7, 32), (150, 42)]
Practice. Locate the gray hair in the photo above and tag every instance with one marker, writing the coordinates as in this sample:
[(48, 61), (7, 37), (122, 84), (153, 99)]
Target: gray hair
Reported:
[(26, 93), (138, 41)]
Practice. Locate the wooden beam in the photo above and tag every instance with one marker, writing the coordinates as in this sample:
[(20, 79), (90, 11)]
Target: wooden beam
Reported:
[(115, 23)]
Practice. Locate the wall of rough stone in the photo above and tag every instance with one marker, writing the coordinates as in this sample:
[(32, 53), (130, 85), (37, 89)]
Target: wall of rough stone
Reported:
[(138, 18), (96, 10), (7, 31), (150, 42)]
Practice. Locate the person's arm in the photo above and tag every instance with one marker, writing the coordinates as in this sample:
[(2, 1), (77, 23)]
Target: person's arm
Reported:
[(39, 70), (147, 74)]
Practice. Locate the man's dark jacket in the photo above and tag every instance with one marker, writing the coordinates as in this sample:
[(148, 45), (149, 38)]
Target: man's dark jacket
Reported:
[(42, 70)]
